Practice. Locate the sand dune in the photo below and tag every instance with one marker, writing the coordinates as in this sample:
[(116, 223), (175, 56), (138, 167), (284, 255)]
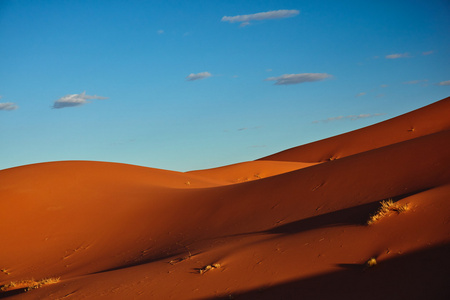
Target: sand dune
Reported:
[(249, 171), (427, 120), (291, 225)]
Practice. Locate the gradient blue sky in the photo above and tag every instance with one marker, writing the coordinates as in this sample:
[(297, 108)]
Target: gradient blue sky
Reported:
[(188, 89)]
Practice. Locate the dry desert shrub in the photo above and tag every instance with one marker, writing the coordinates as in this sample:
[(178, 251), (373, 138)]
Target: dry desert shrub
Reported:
[(208, 267), (371, 262), (387, 206), (28, 284), (5, 271)]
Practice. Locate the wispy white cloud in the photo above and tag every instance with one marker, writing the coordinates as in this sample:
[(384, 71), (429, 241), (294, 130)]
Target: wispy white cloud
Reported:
[(447, 82), (298, 78), (384, 86), (360, 94), (428, 52), (8, 106), (202, 75), (415, 81), (247, 128), (160, 31), (397, 55), (268, 15), (351, 117), (75, 100)]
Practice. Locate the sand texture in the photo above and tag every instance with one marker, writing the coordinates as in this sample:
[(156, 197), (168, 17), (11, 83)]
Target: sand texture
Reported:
[(305, 223)]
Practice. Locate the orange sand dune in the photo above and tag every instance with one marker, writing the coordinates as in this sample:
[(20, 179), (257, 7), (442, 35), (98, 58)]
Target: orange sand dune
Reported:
[(248, 171), (429, 119), (268, 229)]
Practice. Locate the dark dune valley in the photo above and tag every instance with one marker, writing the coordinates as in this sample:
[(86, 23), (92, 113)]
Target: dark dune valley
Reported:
[(362, 215)]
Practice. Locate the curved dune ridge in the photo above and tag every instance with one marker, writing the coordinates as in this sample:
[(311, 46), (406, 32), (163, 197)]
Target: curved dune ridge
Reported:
[(426, 120), (292, 225)]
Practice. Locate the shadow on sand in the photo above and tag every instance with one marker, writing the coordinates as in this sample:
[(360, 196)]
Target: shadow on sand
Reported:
[(356, 215), (423, 274)]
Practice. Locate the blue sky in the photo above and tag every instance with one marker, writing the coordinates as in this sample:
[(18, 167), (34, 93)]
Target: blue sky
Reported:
[(185, 85)]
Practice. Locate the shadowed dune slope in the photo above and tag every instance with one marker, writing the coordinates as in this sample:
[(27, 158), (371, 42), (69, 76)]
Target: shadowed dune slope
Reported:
[(249, 171), (429, 119), (256, 230), (353, 282)]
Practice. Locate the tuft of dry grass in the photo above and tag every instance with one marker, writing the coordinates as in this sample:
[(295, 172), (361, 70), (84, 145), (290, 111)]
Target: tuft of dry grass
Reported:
[(387, 206), (371, 262), (5, 271), (208, 267), (28, 284)]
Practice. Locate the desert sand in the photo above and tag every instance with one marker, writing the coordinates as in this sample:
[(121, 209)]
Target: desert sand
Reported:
[(293, 225)]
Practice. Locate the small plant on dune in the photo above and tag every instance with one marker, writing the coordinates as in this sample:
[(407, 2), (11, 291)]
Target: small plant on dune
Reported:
[(5, 271), (387, 206), (371, 262), (208, 267), (28, 284)]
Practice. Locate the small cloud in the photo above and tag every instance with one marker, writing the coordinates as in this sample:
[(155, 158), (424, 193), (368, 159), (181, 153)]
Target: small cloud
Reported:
[(333, 119), (384, 86), (268, 15), (298, 78), (268, 70), (380, 95), (397, 55), (360, 94), (160, 31), (202, 75), (8, 106), (427, 52), (447, 82), (247, 128), (415, 81), (75, 100), (351, 117)]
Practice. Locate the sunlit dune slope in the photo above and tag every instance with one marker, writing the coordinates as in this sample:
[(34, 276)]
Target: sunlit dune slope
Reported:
[(429, 119), (256, 230)]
